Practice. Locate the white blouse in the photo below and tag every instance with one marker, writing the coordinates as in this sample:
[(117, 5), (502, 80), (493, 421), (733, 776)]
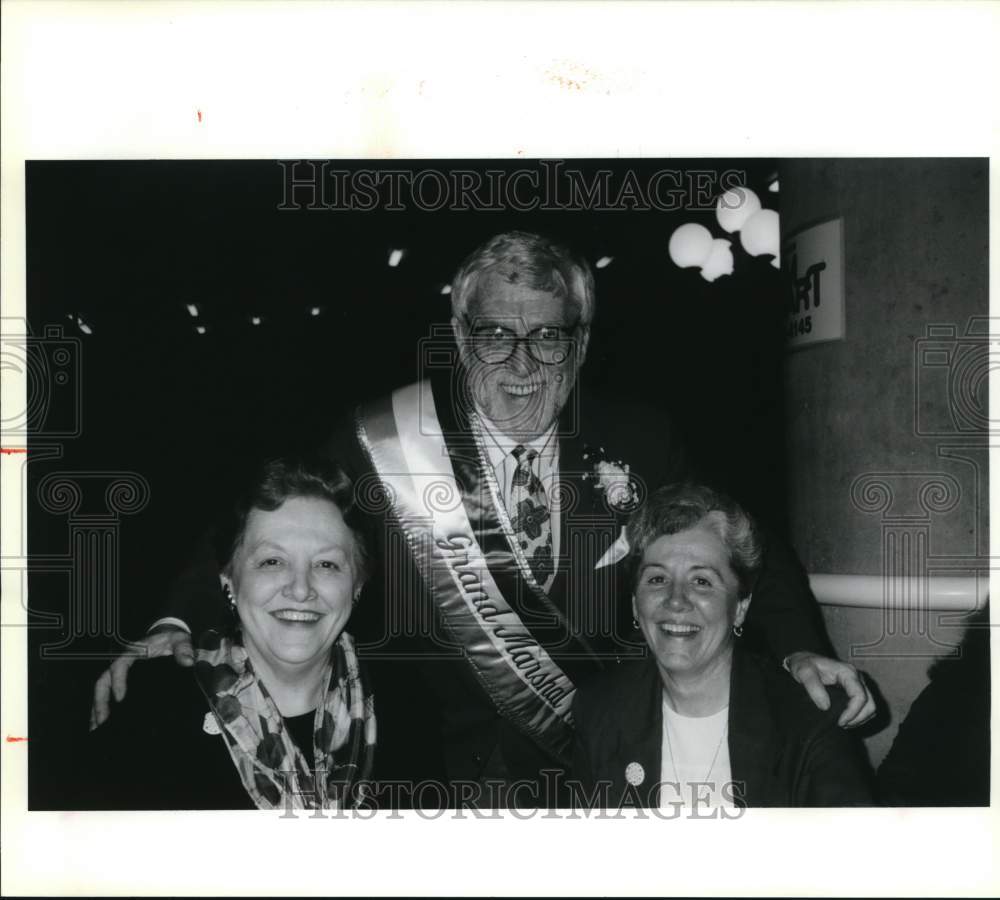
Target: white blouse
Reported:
[(695, 756)]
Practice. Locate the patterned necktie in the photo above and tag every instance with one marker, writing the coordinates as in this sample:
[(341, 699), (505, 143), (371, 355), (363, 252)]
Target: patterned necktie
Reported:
[(529, 516)]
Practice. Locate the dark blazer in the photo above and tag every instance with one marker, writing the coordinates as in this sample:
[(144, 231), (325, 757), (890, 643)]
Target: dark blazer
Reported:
[(783, 750), (153, 752), (435, 718)]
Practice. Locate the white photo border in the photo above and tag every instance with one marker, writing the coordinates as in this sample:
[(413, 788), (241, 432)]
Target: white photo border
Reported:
[(218, 80)]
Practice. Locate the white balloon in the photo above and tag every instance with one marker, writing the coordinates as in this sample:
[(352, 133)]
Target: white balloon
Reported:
[(690, 245), (761, 235), (735, 207), (720, 260)]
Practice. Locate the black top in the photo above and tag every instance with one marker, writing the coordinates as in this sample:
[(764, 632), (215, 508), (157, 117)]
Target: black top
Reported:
[(300, 729)]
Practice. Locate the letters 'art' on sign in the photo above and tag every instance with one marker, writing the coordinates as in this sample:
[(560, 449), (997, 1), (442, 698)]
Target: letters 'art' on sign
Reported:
[(814, 261)]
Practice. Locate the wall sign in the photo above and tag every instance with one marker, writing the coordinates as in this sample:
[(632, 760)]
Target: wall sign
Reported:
[(814, 261)]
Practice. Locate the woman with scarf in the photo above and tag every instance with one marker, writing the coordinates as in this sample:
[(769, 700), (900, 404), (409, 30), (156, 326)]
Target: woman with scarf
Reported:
[(274, 713)]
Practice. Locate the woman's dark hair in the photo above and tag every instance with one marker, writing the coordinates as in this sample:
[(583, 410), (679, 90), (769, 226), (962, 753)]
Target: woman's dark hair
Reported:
[(677, 507), (278, 480)]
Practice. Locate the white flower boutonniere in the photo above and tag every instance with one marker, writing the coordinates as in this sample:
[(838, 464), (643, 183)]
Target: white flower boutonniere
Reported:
[(614, 479)]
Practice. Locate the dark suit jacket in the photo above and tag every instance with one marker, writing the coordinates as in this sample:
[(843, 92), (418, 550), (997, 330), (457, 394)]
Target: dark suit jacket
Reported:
[(153, 752), (435, 718), (783, 750)]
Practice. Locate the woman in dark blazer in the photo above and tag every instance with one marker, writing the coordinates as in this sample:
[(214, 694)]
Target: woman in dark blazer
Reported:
[(702, 722)]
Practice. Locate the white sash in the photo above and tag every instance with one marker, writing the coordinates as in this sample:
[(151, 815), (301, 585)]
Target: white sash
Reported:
[(408, 453)]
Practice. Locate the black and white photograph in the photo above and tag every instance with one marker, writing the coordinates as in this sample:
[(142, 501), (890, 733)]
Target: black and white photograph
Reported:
[(538, 488)]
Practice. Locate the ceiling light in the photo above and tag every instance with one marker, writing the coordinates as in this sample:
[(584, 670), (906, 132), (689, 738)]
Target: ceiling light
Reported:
[(761, 235), (395, 257), (604, 262), (690, 245), (735, 207), (192, 310), (255, 320), (201, 329), (719, 262), (315, 311)]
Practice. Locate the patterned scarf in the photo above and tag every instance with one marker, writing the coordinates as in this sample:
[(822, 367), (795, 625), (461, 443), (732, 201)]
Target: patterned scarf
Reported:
[(273, 769)]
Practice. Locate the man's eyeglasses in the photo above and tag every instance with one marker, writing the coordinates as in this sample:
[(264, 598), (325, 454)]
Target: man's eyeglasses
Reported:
[(550, 345)]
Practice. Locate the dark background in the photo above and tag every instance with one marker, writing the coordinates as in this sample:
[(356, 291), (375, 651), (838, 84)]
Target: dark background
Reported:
[(125, 246)]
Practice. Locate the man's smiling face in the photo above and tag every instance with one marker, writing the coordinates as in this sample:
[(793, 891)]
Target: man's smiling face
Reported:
[(522, 395)]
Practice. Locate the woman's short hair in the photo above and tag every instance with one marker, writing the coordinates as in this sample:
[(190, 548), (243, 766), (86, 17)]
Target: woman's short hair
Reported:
[(532, 260), (677, 507), (281, 479)]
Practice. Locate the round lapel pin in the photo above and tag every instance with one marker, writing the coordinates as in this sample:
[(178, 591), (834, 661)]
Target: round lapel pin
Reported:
[(635, 774)]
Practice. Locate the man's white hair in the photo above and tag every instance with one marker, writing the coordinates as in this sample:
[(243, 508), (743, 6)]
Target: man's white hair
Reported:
[(521, 257)]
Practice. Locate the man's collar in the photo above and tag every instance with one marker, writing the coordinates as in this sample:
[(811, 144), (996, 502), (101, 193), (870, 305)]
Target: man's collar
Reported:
[(500, 445)]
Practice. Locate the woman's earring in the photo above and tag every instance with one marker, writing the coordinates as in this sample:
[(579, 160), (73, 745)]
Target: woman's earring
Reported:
[(738, 630), (635, 623), (227, 591)]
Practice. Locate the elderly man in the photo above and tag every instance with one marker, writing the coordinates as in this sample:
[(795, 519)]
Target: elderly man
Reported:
[(498, 491)]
